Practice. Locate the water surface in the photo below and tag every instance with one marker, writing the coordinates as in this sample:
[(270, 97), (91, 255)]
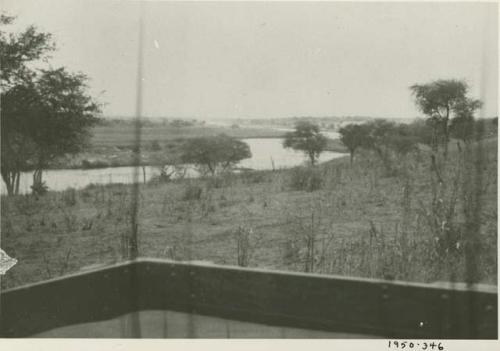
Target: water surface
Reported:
[(267, 153)]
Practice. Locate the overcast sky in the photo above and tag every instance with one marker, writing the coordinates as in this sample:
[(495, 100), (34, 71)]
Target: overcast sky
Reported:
[(244, 59)]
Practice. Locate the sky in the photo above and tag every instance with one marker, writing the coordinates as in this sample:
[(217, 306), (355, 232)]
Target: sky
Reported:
[(212, 60)]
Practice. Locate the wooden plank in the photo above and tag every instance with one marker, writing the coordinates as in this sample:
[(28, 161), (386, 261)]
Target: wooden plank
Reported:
[(310, 301), (91, 296)]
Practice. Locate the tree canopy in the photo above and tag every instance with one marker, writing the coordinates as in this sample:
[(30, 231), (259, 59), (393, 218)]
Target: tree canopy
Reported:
[(306, 138), (215, 154), (442, 100), (387, 139), (353, 136), (46, 113)]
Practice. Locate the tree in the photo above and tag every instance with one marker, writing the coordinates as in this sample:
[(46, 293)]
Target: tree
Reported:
[(353, 136), (19, 49), (215, 154), (306, 138), (402, 140), (16, 51), (65, 115), (441, 100), (463, 126), (389, 140), (45, 113), (423, 131)]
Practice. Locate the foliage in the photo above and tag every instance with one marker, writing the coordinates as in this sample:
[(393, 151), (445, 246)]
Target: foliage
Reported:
[(353, 136), (423, 131), (402, 140), (39, 188), (155, 146), (19, 49), (442, 100), (306, 138), (169, 166), (179, 123), (389, 141), (49, 110), (246, 242), (16, 51), (308, 179), (464, 126), (86, 164), (192, 192), (215, 154)]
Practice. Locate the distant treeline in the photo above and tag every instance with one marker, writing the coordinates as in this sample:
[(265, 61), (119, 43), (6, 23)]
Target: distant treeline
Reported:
[(150, 122), (325, 122)]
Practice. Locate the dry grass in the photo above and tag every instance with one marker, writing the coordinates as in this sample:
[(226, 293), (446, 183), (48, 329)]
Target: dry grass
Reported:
[(359, 223)]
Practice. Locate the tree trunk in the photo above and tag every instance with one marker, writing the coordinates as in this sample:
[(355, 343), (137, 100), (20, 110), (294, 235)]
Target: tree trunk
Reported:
[(37, 182), (311, 156), (11, 180), (37, 177), (352, 157), (18, 177), (446, 132), (8, 183)]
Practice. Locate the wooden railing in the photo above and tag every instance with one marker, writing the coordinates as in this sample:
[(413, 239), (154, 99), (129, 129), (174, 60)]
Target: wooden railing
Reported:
[(310, 301)]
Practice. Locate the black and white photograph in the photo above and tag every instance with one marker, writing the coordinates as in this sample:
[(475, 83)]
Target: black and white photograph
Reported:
[(249, 170)]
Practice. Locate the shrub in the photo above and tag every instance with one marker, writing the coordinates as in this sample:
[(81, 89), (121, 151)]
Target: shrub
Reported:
[(247, 241), (155, 146), (192, 192), (39, 188), (253, 177), (86, 164), (69, 197), (220, 181), (308, 179)]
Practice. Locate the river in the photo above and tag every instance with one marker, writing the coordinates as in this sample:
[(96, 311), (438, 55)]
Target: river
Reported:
[(265, 152)]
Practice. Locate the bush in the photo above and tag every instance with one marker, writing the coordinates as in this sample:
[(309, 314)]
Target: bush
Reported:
[(86, 164), (192, 192), (69, 197), (39, 188), (155, 146), (220, 181), (253, 177), (308, 179)]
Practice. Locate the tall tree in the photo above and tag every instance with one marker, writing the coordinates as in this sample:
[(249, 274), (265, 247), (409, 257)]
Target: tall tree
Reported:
[(353, 136), (45, 113), (306, 138), (17, 50), (441, 100), (66, 112)]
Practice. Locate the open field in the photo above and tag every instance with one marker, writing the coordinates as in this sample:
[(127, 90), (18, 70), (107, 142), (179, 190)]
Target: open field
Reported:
[(124, 135), (359, 222)]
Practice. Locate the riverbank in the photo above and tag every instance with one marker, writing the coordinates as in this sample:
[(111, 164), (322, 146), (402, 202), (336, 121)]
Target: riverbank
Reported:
[(267, 153), (113, 146), (354, 217)]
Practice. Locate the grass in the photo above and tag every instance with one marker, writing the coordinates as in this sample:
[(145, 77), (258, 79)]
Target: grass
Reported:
[(359, 222), (124, 135)]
